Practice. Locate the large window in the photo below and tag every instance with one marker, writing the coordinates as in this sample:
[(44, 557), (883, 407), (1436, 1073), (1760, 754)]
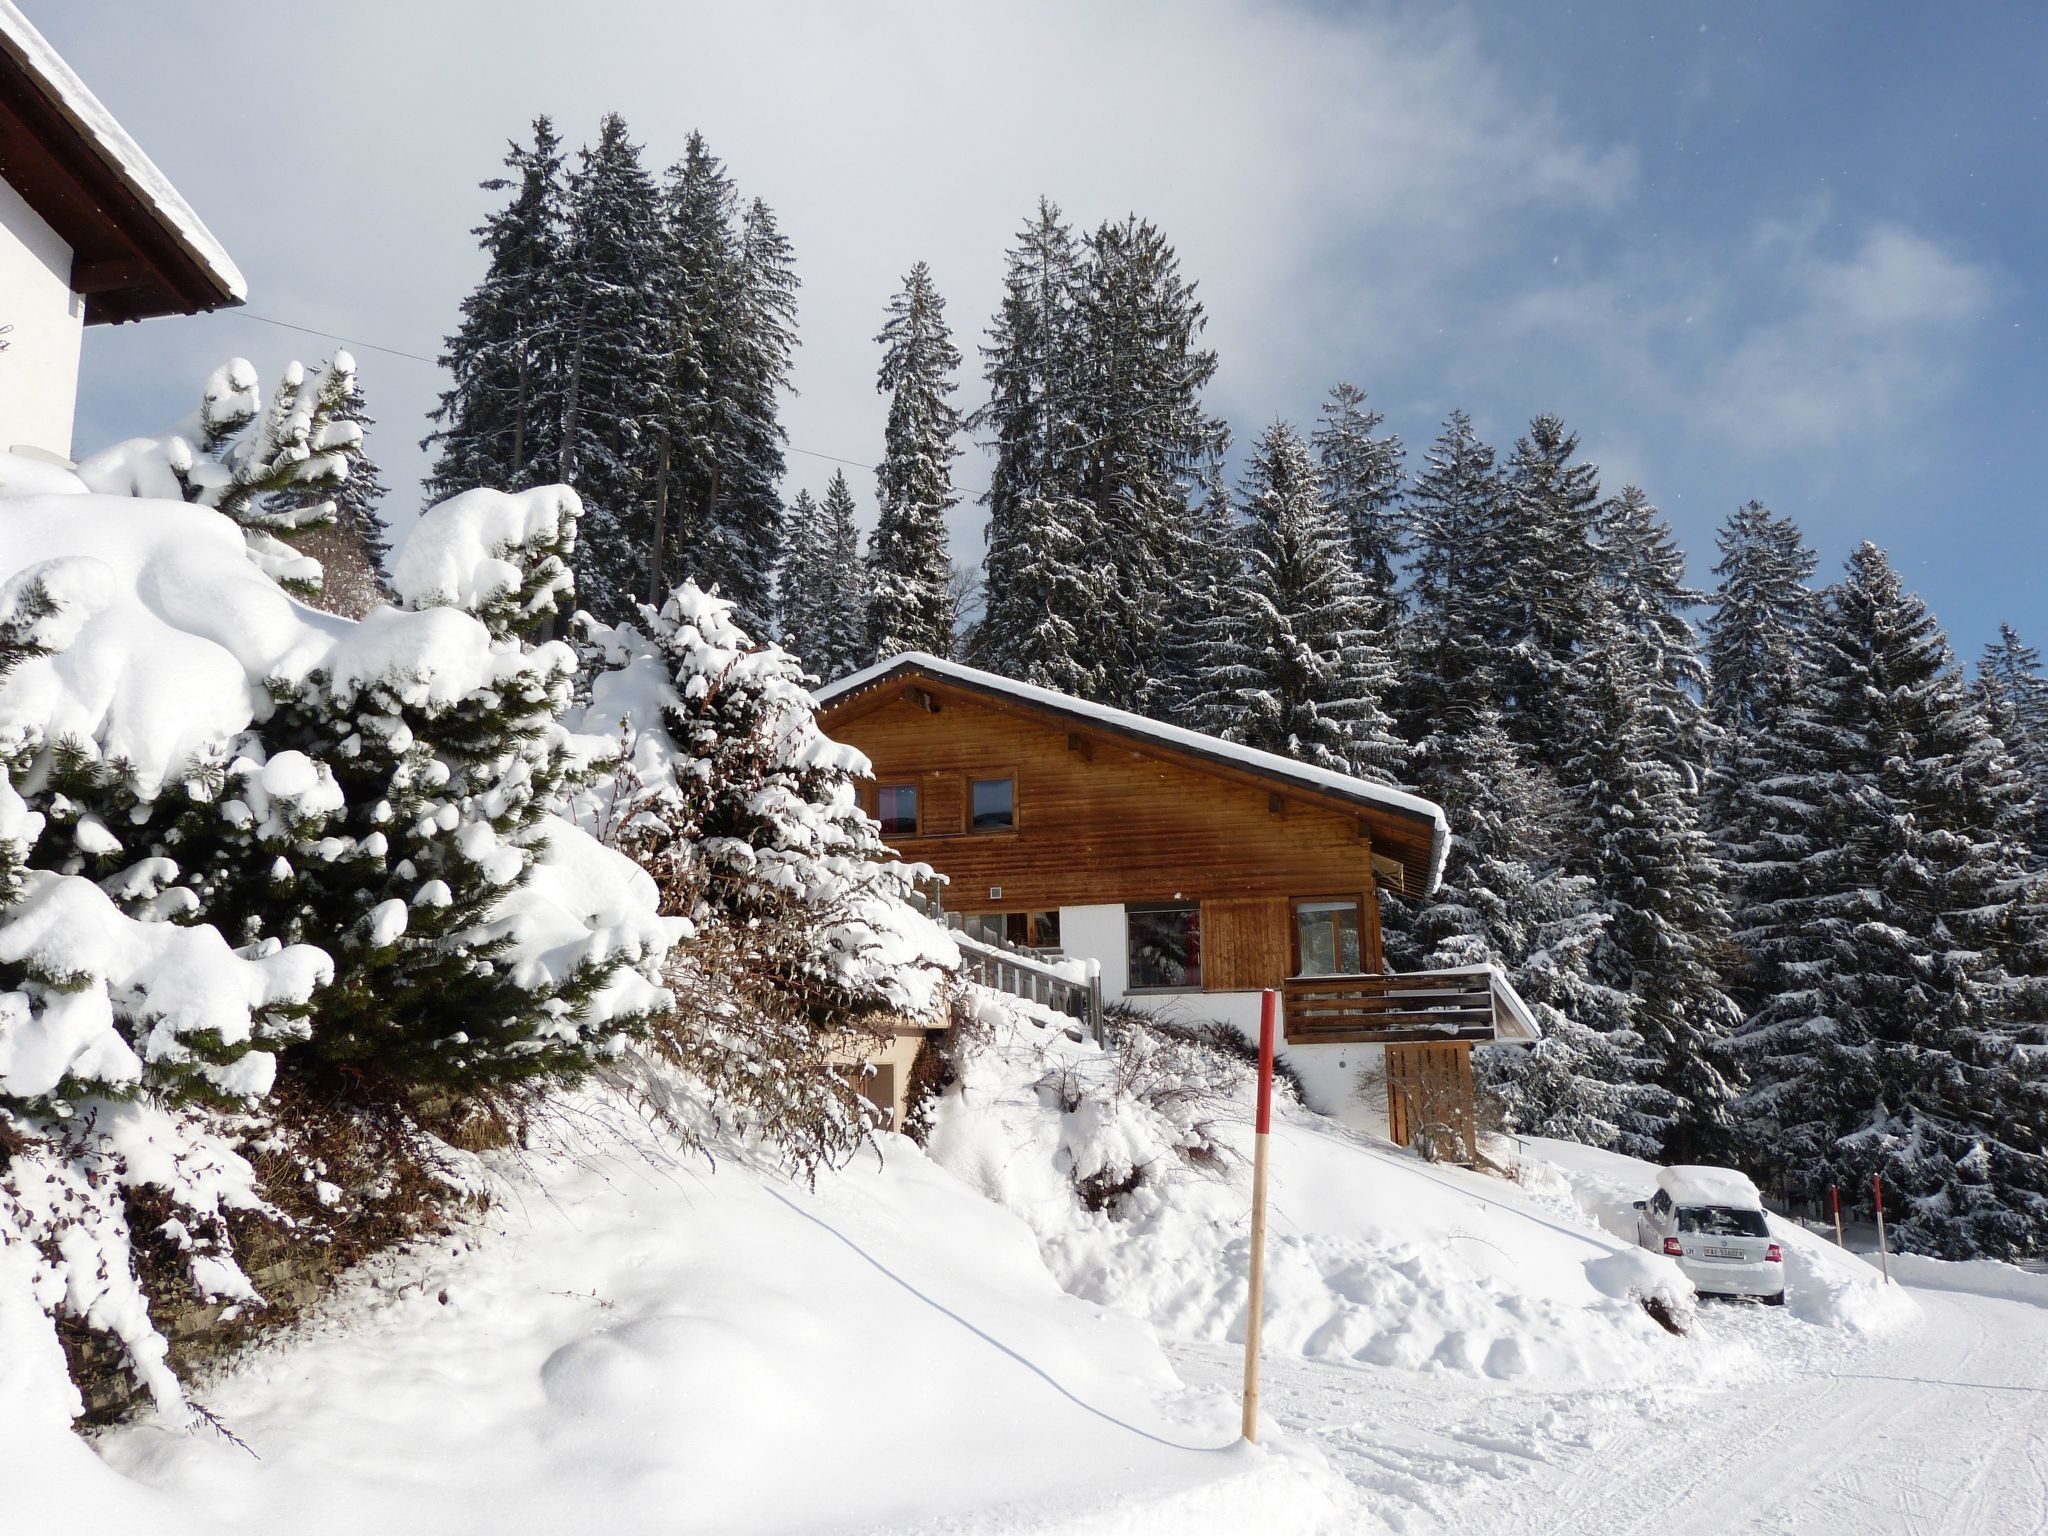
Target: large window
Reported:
[(1026, 930), (994, 805), (1326, 938), (1165, 947), (896, 809)]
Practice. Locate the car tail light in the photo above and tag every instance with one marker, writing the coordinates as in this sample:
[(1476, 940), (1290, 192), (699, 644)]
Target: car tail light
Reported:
[(1774, 1254), (1671, 1247)]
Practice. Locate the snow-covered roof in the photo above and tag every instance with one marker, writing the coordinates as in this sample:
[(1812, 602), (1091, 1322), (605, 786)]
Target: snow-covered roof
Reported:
[(1363, 792), (79, 169), (1694, 1184)]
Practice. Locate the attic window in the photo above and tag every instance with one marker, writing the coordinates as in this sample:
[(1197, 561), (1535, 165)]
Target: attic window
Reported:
[(896, 809), (994, 805)]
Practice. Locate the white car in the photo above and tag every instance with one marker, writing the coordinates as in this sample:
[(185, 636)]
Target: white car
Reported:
[(1711, 1220)]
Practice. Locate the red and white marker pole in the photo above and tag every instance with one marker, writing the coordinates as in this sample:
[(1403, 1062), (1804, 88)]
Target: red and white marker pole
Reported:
[(1835, 1199), (1884, 1256), (1269, 1018)]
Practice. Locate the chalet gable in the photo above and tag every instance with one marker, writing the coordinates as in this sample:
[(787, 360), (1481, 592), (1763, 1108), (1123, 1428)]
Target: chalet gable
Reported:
[(1408, 834)]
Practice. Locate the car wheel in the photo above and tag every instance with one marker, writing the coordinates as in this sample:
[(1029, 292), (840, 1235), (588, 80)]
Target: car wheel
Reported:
[(1774, 1301)]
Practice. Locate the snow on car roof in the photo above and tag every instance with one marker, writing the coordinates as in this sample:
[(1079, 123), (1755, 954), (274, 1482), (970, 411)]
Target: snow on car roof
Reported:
[(1250, 758), (1695, 1185)]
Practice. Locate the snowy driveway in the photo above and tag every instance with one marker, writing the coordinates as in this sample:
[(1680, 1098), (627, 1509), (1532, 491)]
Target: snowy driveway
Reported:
[(1940, 1428)]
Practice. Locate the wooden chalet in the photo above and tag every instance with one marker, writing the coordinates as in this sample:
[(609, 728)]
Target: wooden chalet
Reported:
[(1193, 871)]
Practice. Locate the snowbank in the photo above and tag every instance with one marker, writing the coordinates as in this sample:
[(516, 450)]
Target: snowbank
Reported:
[(1374, 1257), (1977, 1277), (639, 1341), (1823, 1285)]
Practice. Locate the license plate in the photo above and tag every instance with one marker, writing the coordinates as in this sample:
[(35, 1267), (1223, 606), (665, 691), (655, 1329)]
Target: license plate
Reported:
[(1724, 1253)]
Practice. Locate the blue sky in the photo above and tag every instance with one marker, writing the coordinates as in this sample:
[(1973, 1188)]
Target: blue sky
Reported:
[(1791, 253)]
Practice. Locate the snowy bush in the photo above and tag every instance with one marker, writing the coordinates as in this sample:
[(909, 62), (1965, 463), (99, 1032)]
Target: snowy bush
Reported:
[(745, 815)]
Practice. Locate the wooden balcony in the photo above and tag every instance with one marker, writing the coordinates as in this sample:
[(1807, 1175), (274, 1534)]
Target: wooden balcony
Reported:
[(1473, 1005)]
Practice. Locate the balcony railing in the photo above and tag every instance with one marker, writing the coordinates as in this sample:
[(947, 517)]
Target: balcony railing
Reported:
[(1475, 1003)]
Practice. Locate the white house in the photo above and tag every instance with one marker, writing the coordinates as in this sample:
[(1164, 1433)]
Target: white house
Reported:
[(91, 233)]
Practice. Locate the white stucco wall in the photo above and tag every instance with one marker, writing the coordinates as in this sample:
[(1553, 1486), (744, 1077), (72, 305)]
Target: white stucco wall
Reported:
[(1329, 1073), (39, 368)]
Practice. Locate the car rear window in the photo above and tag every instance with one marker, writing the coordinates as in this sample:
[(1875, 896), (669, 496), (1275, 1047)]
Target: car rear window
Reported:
[(1721, 1221)]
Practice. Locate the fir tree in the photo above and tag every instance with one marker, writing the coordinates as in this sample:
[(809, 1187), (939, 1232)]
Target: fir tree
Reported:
[(1642, 573), (909, 604), (352, 547), (1640, 839), (799, 584), (1506, 900), (1892, 1046), (1456, 513), (609, 295), (2015, 697), (1362, 482), (499, 423), (1761, 609), (1207, 635), (842, 588), (1047, 590), (1307, 676)]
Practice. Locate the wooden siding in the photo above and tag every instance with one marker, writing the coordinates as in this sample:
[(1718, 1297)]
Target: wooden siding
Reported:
[(1098, 821), (1245, 943), (1429, 1091), (941, 804)]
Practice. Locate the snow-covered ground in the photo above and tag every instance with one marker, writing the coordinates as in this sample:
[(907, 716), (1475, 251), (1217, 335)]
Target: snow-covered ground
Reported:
[(637, 1339)]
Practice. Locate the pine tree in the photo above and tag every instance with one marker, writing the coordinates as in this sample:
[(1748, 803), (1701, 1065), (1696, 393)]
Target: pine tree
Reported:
[(1046, 584), (1362, 481), (615, 364), (499, 423), (1308, 676), (1548, 589), (1207, 634), (1892, 1048), (351, 546), (1144, 439), (842, 589), (799, 584), (909, 604), (1642, 579), (1450, 649), (1506, 900), (1761, 610), (2015, 696), (1657, 879)]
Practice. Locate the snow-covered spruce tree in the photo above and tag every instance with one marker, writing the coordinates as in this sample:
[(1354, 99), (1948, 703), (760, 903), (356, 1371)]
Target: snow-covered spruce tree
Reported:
[(909, 604), (1362, 482), (254, 462), (843, 587), (1450, 651), (1548, 595), (1642, 578), (748, 353), (613, 360), (2015, 695), (1047, 588), (1761, 609), (745, 814), (1207, 634), (799, 581), (1507, 900), (499, 423), (1305, 675), (1144, 442), (1895, 1048), (351, 545), (1638, 835)]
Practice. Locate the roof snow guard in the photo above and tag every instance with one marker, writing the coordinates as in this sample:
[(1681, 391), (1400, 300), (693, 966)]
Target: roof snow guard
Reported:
[(138, 249), (1425, 832)]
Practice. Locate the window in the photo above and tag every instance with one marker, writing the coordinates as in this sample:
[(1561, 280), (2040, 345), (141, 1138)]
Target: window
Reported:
[(1165, 947), (993, 804), (1326, 938), (1721, 1221), (896, 809), (1026, 930)]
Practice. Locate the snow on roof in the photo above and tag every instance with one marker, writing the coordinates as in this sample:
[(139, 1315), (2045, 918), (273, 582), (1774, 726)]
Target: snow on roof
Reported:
[(20, 38), (1362, 791), (1692, 1184)]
